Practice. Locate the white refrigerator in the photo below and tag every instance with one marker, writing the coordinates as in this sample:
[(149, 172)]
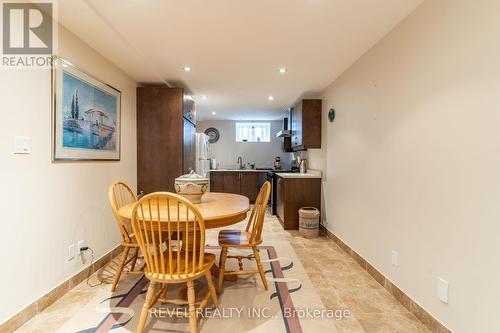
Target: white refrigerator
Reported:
[(202, 154)]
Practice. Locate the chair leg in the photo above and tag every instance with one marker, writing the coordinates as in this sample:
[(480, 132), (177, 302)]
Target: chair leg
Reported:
[(132, 264), (222, 263), (163, 295), (119, 270), (259, 266), (211, 289), (193, 320), (145, 308)]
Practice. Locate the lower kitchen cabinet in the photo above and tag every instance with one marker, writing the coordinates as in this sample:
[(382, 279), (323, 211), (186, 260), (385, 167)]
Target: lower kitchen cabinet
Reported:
[(216, 181), (249, 184), (293, 194), (232, 182), (246, 183)]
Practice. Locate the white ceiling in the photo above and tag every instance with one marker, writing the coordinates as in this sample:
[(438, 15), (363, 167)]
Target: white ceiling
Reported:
[(235, 48)]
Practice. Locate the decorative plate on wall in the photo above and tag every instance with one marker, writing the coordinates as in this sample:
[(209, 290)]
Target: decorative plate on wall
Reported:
[(213, 134), (331, 115)]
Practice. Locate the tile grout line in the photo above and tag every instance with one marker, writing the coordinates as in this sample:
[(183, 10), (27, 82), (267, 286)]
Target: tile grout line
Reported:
[(346, 256), (39, 305), (406, 301)]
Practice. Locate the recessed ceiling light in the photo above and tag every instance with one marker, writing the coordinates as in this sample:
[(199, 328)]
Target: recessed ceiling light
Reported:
[(214, 113), (283, 70), (271, 98), (186, 69), (203, 97)]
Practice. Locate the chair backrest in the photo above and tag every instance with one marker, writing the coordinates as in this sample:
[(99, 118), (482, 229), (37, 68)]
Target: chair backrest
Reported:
[(163, 217), (256, 220), (120, 194)]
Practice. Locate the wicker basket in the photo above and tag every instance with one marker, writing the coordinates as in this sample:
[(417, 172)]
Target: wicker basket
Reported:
[(309, 222)]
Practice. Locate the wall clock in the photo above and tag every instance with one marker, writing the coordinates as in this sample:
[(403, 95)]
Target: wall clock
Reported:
[(331, 114), (213, 134)]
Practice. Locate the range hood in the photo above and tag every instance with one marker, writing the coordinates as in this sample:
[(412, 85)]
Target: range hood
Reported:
[(284, 133)]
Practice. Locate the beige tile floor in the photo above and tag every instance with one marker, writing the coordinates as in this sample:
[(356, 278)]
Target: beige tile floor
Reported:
[(338, 279)]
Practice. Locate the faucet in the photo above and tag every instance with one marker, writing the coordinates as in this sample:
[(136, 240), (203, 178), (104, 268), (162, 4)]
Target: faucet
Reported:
[(240, 163)]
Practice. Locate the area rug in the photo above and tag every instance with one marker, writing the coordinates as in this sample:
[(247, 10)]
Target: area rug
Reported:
[(290, 305)]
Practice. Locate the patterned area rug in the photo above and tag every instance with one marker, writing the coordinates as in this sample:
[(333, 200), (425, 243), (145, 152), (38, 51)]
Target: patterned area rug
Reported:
[(290, 305)]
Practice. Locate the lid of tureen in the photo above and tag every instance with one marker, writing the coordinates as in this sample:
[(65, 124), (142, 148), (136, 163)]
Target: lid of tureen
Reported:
[(192, 176)]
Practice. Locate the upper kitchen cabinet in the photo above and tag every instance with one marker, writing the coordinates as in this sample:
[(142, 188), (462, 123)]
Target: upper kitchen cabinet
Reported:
[(165, 137), (306, 124)]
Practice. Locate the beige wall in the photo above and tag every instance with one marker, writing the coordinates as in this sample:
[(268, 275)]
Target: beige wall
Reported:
[(227, 150), (48, 206), (412, 160)]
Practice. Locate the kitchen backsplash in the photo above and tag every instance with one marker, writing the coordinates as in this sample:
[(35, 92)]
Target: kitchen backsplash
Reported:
[(226, 150)]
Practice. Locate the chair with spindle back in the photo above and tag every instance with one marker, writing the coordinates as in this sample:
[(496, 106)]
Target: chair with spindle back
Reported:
[(120, 194), (250, 238), (184, 260)]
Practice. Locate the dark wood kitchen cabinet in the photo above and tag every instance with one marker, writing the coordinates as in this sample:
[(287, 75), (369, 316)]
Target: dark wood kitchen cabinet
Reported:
[(306, 124), (249, 184), (246, 183), (293, 194), (216, 181), (165, 139), (232, 182)]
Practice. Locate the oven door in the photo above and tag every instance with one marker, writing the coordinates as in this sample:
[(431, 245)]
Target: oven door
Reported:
[(271, 177)]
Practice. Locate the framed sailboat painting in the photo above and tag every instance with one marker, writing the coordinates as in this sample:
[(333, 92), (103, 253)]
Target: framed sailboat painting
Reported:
[(86, 115)]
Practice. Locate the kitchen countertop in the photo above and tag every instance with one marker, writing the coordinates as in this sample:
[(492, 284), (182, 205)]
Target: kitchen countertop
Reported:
[(310, 174), (238, 170)]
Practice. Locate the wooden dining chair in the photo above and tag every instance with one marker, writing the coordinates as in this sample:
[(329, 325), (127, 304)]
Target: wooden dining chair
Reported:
[(184, 259), (120, 194), (251, 237)]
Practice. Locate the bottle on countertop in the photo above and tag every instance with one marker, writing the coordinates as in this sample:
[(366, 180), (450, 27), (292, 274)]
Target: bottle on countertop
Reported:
[(303, 165), (213, 164), (277, 163)]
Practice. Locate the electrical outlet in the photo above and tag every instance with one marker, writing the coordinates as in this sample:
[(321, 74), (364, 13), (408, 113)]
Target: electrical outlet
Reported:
[(81, 243), (71, 252), (443, 289), (395, 258)]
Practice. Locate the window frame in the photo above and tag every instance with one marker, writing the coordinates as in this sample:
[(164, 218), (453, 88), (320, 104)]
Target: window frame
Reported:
[(266, 125)]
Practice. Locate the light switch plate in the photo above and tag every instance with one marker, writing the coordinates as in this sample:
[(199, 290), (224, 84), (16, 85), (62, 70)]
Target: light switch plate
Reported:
[(443, 290), (395, 258), (71, 252), (22, 145)]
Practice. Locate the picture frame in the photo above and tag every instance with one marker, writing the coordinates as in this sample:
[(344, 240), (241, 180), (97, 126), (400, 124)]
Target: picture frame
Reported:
[(86, 116)]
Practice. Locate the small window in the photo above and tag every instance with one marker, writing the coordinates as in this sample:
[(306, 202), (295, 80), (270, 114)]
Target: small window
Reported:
[(253, 132)]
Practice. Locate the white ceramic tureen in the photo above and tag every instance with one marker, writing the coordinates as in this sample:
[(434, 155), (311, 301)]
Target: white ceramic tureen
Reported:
[(191, 186)]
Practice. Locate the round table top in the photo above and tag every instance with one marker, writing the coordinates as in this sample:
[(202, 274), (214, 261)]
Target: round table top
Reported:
[(217, 209)]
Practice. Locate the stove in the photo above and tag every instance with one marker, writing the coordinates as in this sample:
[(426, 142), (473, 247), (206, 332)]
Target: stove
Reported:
[(273, 179)]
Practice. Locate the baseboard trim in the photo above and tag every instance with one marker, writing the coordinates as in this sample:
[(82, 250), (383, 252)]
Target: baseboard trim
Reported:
[(426, 318), (46, 300)]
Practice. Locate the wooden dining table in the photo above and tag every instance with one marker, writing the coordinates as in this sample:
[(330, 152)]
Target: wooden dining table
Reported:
[(217, 209)]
